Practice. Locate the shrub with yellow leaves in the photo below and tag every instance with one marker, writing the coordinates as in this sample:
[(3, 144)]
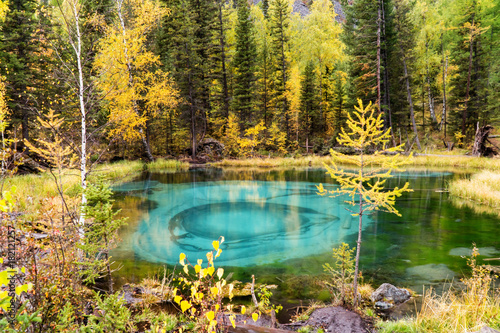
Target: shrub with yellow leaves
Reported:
[(201, 291)]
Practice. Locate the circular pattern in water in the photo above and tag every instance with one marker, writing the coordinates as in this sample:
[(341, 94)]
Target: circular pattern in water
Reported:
[(262, 222)]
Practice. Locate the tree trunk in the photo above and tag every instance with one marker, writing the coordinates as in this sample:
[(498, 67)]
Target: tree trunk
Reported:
[(443, 116), (469, 74), (410, 102), (479, 148), (77, 48), (387, 97), (224, 71), (360, 227), (379, 23)]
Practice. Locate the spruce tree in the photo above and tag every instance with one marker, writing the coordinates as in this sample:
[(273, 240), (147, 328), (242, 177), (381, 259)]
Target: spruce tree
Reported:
[(360, 38), (265, 8), (279, 23), (244, 66), (21, 59), (187, 37), (468, 96)]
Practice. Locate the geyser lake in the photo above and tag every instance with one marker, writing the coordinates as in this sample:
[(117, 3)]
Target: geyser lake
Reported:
[(279, 229)]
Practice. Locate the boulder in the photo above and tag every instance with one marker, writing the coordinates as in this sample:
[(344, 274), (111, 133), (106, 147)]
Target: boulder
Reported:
[(337, 320), (487, 329), (387, 293)]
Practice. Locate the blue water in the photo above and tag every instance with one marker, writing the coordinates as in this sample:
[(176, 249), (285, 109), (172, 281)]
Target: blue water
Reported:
[(277, 227), (262, 222)]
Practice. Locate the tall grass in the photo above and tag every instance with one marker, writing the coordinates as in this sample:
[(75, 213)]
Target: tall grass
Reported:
[(482, 189), (438, 161), (455, 311), (162, 165), (275, 162)]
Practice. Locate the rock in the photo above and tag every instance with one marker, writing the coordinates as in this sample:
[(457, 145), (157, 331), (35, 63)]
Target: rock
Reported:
[(487, 329), (383, 306), (137, 291), (337, 320), (467, 252), (430, 273), (390, 294)]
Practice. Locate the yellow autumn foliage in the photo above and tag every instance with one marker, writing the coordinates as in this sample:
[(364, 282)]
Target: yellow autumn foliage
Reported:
[(132, 87)]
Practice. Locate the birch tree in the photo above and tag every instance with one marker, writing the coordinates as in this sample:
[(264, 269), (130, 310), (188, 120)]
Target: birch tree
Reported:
[(131, 83), (70, 16)]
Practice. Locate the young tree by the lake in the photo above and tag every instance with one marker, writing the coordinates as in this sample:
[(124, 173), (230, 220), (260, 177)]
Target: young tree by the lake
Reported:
[(366, 186)]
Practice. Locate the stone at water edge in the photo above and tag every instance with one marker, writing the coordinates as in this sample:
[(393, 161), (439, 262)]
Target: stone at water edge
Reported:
[(390, 294), (487, 329)]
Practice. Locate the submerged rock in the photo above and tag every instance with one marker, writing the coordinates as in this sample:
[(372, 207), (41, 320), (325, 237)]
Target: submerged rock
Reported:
[(487, 329), (430, 273), (467, 252)]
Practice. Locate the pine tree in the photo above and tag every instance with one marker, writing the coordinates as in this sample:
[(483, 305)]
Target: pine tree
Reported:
[(22, 59), (244, 66), (263, 40), (360, 38), (405, 42), (279, 24), (468, 98), (189, 37), (265, 8)]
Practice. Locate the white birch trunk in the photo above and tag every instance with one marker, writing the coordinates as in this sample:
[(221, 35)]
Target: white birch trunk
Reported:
[(77, 47)]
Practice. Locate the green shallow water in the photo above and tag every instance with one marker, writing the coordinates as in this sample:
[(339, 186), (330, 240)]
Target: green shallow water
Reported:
[(279, 229)]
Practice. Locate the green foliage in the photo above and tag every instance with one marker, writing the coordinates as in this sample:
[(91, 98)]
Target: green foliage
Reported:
[(309, 106), (100, 231), (111, 316), (342, 273), (244, 67), (279, 22), (23, 321), (265, 304)]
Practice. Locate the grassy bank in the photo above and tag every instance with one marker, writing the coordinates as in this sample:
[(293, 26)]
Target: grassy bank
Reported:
[(436, 161), (481, 192), (467, 310), (32, 188)]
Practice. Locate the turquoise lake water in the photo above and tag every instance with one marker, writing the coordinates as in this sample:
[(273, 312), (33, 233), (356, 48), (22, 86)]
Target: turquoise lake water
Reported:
[(277, 227)]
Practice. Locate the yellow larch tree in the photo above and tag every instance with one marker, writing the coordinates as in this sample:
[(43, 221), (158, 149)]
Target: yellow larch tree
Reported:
[(134, 87), (365, 186)]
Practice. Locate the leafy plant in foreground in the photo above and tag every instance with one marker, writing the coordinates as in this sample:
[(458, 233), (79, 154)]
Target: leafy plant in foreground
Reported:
[(203, 292)]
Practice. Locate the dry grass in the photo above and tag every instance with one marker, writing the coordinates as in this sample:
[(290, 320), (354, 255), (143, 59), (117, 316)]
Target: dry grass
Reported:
[(450, 162), (481, 190), (467, 310), (275, 162)]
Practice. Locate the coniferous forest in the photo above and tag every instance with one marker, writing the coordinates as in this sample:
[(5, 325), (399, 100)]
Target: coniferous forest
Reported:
[(157, 78)]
